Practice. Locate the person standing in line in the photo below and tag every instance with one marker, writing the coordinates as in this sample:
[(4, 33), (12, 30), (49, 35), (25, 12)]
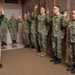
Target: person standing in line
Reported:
[(58, 23), (13, 28), (42, 18), (25, 29), (3, 28), (71, 28)]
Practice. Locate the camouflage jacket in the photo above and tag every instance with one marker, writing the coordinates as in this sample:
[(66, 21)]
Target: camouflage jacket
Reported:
[(33, 26), (33, 22), (58, 23), (13, 24), (25, 26), (42, 20), (4, 24), (71, 27)]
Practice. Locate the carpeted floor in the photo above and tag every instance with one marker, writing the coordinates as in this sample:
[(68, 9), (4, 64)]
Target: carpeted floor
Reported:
[(26, 62)]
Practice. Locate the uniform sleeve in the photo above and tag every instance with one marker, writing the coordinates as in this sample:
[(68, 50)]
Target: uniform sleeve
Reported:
[(74, 32), (29, 19), (64, 22), (17, 24), (64, 25), (35, 14), (71, 26), (48, 19), (48, 23), (29, 27), (9, 24)]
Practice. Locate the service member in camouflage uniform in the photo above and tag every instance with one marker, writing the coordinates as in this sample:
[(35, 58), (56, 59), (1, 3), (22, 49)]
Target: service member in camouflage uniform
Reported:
[(58, 23), (33, 29), (13, 28), (3, 27), (42, 18), (71, 26), (26, 30)]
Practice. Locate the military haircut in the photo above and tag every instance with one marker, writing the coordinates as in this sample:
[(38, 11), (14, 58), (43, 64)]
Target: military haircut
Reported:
[(57, 6), (43, 8)]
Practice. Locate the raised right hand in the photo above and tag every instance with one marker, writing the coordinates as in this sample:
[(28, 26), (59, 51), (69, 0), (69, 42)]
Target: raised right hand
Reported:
[(36, 6)]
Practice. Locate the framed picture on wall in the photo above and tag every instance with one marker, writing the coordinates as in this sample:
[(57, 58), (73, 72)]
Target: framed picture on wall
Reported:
[(11, 1)]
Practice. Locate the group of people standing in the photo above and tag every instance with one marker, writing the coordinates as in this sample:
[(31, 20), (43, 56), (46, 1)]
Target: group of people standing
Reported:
[(35, 27), (12, 25)]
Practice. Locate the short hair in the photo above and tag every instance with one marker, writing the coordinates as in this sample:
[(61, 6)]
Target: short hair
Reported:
[(57, 6), (43, 7)]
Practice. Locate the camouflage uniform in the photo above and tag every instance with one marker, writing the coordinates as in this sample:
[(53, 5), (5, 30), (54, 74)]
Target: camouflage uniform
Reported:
[(26, 31), (58, 23), (33, 32), (4, 26), (13, 27), (72, 41), (42, 30)]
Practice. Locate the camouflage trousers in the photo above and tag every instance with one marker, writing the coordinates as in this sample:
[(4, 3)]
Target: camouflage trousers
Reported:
[(13, 34), (42, 41), (26, 38), (72, 52), (3, 35), (56, 46), (34, 40)]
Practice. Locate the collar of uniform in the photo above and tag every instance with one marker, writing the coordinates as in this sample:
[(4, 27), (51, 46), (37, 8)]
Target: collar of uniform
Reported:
[(25, 19), (13, 19), (57, 15)]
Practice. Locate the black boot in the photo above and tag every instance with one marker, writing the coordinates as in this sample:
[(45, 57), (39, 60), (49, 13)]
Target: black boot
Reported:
[(53, 60), (73, 71), (71, 68), (26, 46), (5, 43), (1, 66), (3, 46), (2, 43), (32, 46), (58, 61), (15, 42), (12, 41)]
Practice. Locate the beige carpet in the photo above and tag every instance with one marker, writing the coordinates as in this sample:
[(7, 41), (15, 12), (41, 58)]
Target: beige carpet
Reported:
[(26, 62)]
